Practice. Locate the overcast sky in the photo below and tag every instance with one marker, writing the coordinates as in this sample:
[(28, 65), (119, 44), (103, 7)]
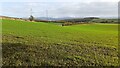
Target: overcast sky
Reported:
[(59, 8)]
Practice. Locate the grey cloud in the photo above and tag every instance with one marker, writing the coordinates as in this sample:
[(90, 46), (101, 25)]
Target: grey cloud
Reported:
[(88, 9), (63, 9)]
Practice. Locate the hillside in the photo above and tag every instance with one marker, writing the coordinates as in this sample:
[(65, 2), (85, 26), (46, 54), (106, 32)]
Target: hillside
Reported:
[(47, 44), (91, 20)]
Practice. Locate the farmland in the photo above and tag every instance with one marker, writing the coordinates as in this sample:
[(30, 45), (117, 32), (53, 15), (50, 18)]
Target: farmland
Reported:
[(47, 44)]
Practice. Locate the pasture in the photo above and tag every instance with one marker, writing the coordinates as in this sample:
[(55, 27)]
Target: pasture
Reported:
[(47, 44)]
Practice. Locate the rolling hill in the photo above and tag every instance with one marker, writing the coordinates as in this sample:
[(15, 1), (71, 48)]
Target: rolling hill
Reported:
[(47, 44)]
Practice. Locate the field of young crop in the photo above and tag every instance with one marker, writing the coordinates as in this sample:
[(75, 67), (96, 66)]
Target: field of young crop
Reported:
[(47, 44)]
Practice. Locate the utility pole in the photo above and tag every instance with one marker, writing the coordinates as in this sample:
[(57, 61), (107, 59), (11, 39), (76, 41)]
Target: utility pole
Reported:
[(47, 15), (31, 11), (31, 18)]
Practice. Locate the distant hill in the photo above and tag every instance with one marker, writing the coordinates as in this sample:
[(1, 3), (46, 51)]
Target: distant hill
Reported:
[(12, 18), (87, 19), (67, 19), (91, 20), (52, 18)]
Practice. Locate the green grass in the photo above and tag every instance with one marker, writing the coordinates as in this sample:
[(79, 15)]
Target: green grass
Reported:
[(48, 44)]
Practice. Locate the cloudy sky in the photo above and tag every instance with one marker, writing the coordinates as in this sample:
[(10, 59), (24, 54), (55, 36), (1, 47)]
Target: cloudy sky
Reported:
[(59, 8)]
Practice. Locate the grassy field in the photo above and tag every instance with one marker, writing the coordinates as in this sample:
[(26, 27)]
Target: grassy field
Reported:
[(48, 44)]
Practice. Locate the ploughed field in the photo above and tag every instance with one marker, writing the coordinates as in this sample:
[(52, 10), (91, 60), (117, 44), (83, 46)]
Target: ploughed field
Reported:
[(47, 44)]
